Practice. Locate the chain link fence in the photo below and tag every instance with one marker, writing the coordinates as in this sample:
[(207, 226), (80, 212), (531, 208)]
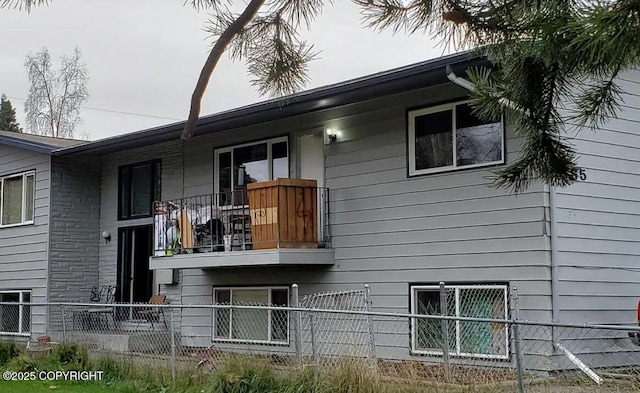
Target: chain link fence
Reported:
[(456, 337), (328, 338)]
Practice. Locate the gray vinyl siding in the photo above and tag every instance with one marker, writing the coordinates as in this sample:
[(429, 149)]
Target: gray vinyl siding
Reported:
[(75, 238), (171, 155), (597, 221), (389, 230), (24, 249)]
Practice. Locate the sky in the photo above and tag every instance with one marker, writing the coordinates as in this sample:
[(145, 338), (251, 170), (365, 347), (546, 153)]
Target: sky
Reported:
[(144, 57)]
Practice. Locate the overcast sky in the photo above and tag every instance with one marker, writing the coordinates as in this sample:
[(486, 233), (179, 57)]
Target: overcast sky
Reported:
[(144, 57)]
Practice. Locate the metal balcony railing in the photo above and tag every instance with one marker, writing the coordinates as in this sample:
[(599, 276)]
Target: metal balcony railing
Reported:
[(289, 217)]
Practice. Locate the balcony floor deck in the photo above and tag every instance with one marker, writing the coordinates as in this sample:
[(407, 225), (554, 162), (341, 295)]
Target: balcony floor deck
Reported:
[(274, 257)]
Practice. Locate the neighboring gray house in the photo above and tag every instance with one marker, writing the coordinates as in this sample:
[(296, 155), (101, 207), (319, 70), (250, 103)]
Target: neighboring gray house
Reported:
[(408, 205), (31, 236)]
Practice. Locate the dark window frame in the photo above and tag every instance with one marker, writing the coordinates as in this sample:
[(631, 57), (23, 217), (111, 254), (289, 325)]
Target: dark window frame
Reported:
[(155, 188), (270, 142), (435, 108)]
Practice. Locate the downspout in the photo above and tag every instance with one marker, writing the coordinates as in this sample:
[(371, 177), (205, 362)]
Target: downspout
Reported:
[(47, 298), (555, 282), (549, 226), (549, 232), (457, 80), (471, 87)]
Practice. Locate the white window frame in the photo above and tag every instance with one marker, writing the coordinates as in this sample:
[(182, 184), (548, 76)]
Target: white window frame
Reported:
[(435, 288), (23, 220), (269, 339), (21, 293), (269, 142), (411, 138)]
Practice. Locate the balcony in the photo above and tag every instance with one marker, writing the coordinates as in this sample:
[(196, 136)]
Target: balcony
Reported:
[(281, 222)]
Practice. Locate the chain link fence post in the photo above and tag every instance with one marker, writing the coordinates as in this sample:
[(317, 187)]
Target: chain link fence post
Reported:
[(64, 324), (297, 323), (516, 338), (314, 347), (445, 333), (173, 345), (372, 338)]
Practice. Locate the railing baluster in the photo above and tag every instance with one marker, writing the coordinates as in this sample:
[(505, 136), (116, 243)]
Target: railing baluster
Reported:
[(243, 217), (213, 225)]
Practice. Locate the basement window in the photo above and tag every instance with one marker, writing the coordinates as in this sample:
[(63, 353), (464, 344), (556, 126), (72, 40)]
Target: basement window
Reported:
[(466, 338), (251, 325), (15, 319)]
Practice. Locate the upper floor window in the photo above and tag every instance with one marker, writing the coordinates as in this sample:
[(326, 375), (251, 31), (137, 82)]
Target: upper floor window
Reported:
[(237, 166), (138, 187), (17, 199), (448, 137)]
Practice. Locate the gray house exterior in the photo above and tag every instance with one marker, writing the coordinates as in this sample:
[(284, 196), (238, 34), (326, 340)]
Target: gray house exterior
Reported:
[(386, 220)]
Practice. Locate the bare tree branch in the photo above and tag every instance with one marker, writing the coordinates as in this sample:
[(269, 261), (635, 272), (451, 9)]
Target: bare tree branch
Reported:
[(55, 97)]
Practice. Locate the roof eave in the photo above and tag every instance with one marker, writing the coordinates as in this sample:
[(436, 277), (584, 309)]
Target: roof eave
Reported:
[(26, 145), (429, 73)]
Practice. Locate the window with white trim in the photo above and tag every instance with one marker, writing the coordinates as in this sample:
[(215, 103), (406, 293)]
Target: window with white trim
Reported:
[(237, 166), (251, 326), (448, 137), (17, 199), (466, 338), (15, 319)]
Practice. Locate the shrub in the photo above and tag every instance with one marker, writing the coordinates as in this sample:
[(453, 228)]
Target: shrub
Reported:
[(22, 363), (245, 376), (113, 370), (8, 351), (72, 357), (301, 381), (352, 378)]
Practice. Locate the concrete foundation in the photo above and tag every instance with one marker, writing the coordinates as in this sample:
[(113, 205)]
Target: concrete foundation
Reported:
[(140, 342)]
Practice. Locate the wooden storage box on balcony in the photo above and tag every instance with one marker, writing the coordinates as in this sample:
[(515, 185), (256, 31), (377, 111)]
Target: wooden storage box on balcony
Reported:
[(284, 213)]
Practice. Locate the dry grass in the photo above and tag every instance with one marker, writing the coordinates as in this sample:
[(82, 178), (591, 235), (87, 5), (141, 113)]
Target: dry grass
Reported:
[(458, 375), (241, 373)]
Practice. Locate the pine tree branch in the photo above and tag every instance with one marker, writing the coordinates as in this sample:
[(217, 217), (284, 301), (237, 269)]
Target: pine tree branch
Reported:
[(598, 103), (20, 4), (212, 60)]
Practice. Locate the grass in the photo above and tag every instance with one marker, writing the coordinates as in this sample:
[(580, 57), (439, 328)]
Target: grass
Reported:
[(238, 374), (56, 386)]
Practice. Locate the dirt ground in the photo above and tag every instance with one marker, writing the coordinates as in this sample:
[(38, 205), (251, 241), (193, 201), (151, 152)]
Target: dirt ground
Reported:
[(578, 389)]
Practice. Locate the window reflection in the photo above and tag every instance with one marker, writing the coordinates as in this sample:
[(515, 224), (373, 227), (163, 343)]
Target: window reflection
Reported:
[(280, 160), (224, 177), (254, 160), (242, 165)]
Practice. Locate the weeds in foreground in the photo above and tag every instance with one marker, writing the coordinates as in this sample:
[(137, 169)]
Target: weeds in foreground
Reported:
[(8, 351), (238, 374)]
